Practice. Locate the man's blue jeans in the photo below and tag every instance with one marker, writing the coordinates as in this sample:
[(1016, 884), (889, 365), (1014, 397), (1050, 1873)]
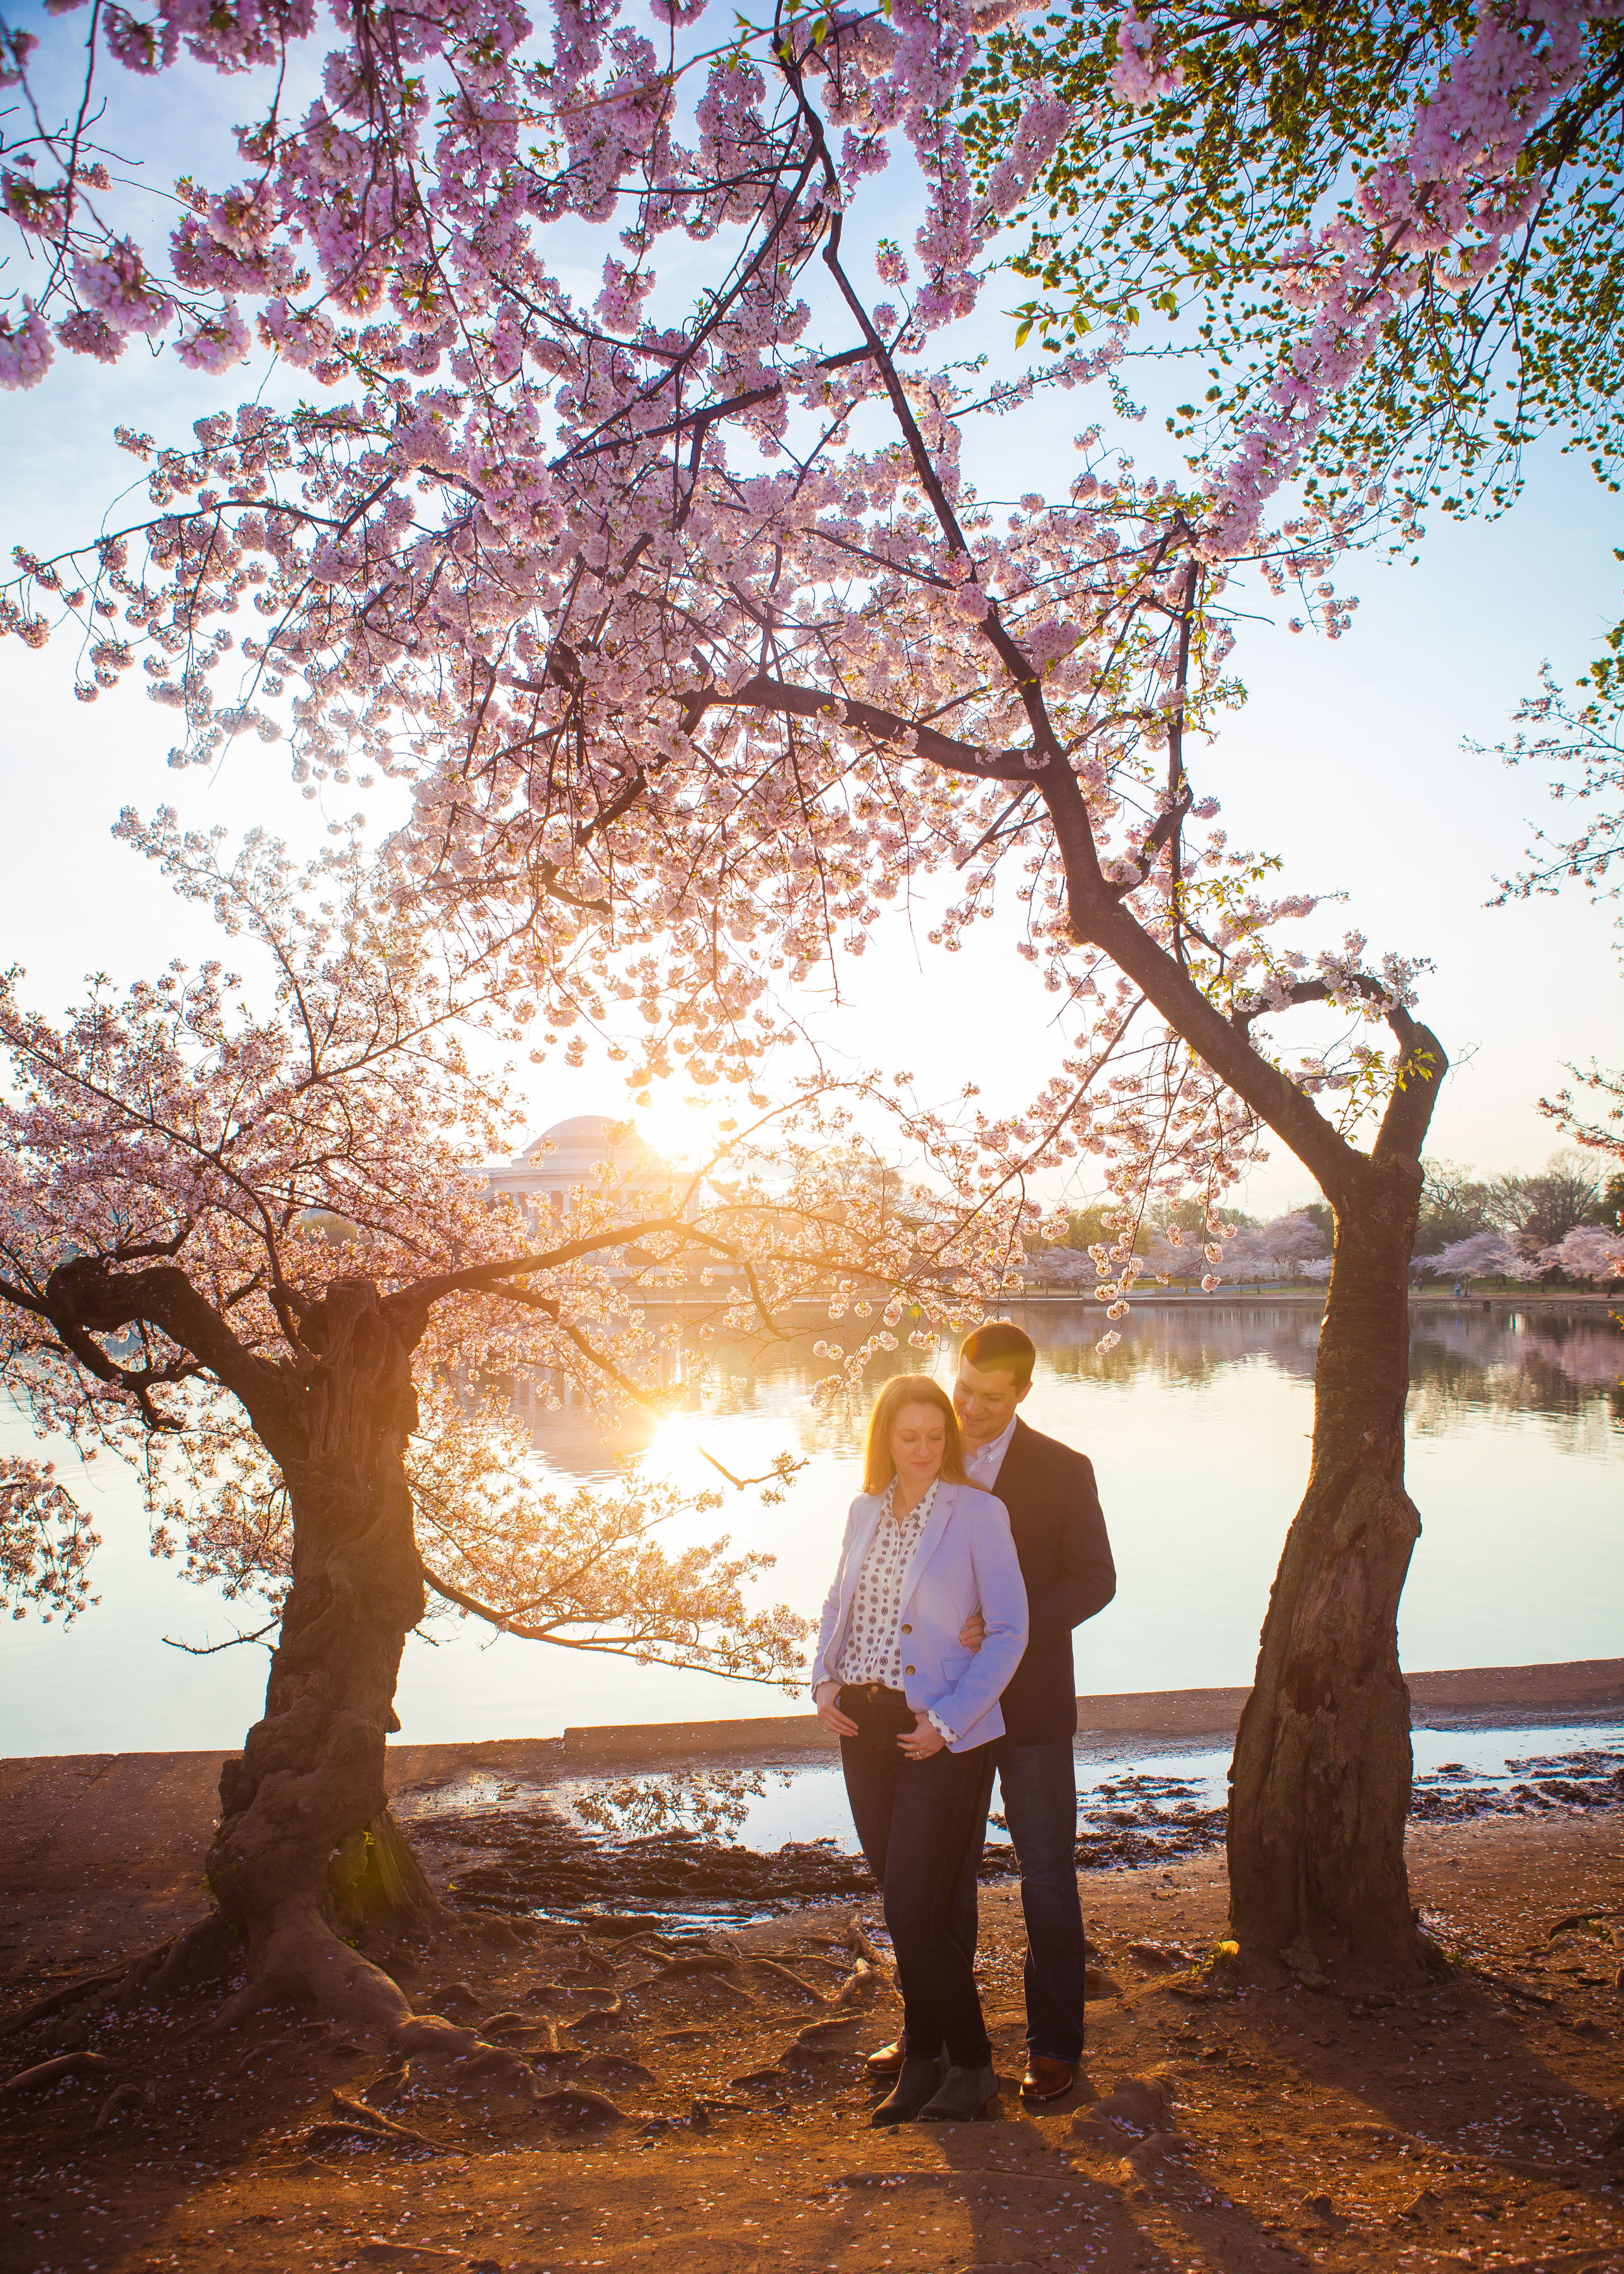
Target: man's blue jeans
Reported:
[(1039, 1785)]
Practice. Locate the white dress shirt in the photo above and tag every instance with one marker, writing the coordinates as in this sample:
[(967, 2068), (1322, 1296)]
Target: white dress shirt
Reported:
[(983, 1465), (873, 1650)]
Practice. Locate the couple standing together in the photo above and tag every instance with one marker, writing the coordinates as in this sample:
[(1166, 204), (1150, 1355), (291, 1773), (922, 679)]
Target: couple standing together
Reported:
[(944, 1653)]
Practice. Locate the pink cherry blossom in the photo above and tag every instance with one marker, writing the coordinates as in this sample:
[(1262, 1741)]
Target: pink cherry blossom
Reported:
[(25, 348)]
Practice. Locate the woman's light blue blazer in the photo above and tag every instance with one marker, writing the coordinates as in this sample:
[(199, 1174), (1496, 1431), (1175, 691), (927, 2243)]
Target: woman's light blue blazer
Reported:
[(964, 1561)]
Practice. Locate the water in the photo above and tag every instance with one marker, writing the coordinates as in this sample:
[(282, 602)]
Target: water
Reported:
[(1197, 1423), (738, 1842), (765, 1808)]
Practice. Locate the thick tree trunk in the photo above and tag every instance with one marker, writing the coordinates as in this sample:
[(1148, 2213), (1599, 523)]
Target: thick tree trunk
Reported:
[(310, 1780), (1320, 1783)]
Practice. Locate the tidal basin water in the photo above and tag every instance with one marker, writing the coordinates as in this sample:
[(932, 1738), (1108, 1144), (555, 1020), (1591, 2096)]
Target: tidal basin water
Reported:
[(1198, 1425)]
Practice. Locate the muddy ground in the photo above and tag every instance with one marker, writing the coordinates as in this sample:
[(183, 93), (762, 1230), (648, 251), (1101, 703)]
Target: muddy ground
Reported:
[(693, 2097)]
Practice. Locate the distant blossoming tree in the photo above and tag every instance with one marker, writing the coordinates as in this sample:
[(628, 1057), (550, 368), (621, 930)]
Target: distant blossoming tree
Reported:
[(1484, 1255), (1588, 1252), (697, 644), (243, 1248)]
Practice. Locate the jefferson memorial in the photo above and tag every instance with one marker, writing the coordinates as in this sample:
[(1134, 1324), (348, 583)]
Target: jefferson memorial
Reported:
[(548, 1171)]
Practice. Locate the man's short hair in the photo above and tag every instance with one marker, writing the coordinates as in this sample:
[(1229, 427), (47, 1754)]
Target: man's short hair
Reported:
[(1000, 1347)]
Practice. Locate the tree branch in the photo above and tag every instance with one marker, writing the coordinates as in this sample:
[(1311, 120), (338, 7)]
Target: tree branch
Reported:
[(631, 1646)]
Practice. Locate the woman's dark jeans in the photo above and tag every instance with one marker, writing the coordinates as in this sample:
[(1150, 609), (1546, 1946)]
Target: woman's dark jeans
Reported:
[(916, 1821)]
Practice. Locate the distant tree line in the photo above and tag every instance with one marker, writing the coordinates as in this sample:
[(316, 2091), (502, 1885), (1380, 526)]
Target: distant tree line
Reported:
[(1560, 1224)]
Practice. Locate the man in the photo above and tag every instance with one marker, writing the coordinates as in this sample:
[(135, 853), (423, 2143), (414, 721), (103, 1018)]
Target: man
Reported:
[(1065, 1560)]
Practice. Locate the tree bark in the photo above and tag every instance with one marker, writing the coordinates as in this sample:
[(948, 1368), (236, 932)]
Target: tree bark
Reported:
[(310, 1780), (1319, 1783)]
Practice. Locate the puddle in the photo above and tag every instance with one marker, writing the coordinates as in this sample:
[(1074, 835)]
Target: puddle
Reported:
[(724, 1845)]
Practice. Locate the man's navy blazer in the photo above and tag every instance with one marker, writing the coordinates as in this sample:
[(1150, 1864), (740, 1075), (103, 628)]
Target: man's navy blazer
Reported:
[(1065, 1560)]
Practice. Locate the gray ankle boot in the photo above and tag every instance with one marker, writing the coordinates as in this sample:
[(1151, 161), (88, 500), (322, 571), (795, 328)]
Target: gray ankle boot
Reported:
[(916, 2082), (963, 2095)]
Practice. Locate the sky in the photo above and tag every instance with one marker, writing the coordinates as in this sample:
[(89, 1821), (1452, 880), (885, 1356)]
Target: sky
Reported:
[(1347, 758)]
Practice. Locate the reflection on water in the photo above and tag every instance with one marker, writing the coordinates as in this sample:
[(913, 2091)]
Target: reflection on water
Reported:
[(730, 1845), (708, 1804), (1465, 1359), (1198, 1424), (1165, 1791), (1521, 1362)]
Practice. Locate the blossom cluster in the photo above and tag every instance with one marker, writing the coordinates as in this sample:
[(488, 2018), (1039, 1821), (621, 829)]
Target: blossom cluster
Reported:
[(190, 1168), (1434, 213), (697, 645)]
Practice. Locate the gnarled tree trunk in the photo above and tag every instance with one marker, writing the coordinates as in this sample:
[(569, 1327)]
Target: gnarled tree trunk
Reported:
[(1320, 1783), (310, 1780)]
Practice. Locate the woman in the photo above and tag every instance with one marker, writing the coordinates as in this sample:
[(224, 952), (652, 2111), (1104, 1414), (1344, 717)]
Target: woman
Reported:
[(914, 1711)]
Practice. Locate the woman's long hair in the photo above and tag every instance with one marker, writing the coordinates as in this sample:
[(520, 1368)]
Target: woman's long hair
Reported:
[(909, 1390)]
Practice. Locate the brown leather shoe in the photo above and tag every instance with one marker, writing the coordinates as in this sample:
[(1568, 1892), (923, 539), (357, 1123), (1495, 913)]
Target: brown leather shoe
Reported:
[(887, 2061), (1046, 2079)]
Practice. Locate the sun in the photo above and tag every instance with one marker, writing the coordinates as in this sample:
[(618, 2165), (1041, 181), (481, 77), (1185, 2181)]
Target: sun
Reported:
[(685, 1128)]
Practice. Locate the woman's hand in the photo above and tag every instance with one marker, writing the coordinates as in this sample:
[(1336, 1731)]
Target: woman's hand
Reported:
[(828, 1712), (925, 1740), (972, 1634)]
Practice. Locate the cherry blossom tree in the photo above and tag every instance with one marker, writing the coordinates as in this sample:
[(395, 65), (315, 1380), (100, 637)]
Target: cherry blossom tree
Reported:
[(1484, 1254), (1277, 1250), (1229, 170), (1588, 1252), (1582, 745), (242, 1248), (698, 644)]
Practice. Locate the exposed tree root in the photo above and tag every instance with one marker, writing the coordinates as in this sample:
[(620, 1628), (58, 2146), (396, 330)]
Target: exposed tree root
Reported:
[(818, 2034), (1578, 1919), (358, 2115), (205, 1954), (860, 1986), (295, 1959), (1507, 1988), (245, 2061), (601, 2016), (701, 1962), (456, 1998), (138, 1975), (807, 1989), (859, 1938), (390, 2086), (502, 2026), (46, 2072), (72, 1995), (343, 2131), (137, 2098)]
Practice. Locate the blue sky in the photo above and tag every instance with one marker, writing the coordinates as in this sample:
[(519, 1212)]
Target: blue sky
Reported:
[(1347, 759)]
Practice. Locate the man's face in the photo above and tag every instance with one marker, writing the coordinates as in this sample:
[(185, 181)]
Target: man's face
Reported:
[(985, 1402)]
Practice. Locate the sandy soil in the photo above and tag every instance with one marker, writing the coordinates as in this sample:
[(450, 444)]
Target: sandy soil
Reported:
[(714, 2117)]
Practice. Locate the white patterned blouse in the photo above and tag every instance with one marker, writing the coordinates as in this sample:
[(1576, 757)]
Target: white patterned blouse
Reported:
[(873, 1650)]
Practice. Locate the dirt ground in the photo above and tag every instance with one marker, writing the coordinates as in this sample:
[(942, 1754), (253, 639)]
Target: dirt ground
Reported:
[(697, 2100)]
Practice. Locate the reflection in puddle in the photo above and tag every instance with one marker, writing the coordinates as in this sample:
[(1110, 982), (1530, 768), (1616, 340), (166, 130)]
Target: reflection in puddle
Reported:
[(732, 1844), (704, 1804)]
